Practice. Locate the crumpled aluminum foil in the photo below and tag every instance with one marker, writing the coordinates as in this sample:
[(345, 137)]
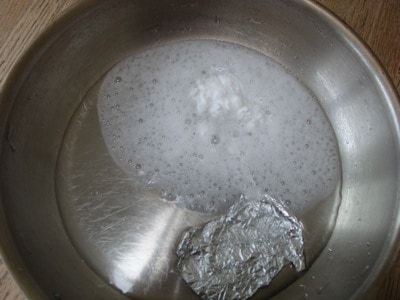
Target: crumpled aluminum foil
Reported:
[(234, 255)]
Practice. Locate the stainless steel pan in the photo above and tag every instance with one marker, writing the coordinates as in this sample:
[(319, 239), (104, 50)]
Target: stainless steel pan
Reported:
[(51, 255)]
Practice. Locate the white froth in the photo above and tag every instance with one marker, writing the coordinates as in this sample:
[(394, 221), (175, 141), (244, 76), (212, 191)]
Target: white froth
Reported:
[(220, 95), (202, 122)]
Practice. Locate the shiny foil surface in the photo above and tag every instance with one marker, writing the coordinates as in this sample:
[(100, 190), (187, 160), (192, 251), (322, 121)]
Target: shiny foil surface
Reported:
[(234, 255)]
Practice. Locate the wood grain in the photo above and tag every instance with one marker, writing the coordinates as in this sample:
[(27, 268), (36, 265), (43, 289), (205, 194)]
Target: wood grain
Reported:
[(376, 22)]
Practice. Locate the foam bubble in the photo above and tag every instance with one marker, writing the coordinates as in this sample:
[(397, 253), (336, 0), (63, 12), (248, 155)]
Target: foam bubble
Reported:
[(217, 118)]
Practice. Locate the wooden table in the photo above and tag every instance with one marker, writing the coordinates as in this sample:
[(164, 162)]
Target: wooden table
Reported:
[(377, 22)]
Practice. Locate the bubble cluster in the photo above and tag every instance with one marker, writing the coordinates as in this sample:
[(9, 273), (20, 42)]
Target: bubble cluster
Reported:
[(201, 122)]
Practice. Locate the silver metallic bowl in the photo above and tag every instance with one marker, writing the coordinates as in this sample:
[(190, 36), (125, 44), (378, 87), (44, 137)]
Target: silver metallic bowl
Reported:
[(42, 93)]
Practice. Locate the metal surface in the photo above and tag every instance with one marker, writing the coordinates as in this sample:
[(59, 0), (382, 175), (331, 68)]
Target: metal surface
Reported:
[(233, 256), (41, 96)]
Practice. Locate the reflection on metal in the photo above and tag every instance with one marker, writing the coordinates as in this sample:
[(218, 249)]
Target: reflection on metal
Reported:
[(144, 260), (132, 265), (234, 255)]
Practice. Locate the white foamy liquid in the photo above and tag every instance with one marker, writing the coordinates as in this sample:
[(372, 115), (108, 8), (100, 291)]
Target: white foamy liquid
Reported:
[(202, 122)]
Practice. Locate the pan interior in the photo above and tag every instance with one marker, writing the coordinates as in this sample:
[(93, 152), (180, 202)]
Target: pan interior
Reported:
[(170, 137)]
